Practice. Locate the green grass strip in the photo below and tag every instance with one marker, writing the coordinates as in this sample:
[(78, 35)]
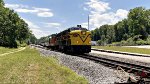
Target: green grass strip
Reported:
[(28, 67), (5, 50)]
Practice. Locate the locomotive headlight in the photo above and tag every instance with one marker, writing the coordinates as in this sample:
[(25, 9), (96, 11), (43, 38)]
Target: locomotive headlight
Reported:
[(83, 32)]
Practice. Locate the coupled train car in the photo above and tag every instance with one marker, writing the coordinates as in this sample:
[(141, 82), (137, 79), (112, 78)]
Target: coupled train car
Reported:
[(74, 39)]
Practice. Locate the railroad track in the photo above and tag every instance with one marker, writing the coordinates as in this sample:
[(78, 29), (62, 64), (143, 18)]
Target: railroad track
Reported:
[(118, 52), (115, 63)]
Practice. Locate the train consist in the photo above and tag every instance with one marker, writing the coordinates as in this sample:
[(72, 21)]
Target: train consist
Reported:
[(74, 39)]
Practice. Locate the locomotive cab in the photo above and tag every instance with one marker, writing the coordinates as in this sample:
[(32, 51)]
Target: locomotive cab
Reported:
[(80, 40)]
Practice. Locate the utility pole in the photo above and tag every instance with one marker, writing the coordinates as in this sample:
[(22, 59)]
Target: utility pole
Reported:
[(88, 23)]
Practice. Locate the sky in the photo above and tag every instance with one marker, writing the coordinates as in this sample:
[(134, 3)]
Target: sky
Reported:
[(46, 17)]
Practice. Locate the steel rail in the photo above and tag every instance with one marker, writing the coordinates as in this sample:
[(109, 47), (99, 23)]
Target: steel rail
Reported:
[(119, 52), (115, 63)]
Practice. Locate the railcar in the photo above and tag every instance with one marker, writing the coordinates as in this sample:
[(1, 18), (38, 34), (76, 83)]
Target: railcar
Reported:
[(52, 41), (74, 39)]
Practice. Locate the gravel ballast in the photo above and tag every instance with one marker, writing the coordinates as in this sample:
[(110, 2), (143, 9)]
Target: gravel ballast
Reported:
[(94, 72)]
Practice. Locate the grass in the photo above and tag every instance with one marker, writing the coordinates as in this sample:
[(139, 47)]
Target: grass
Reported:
[(29, 67), (124, 49), (5, 50)]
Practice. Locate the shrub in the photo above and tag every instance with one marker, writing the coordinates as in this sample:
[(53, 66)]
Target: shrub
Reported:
[(23, 44), (141, 42)]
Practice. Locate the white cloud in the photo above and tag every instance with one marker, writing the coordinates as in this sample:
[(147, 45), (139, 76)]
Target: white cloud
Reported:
[(45, 14), (121, 13), (56, 25), (36, 29), (96, 6), (40, 12), (30, 24), (99, 14), (85, 8), (41, 9), (84, 25), (14, 6), (39, 33), (33, 27), (25, 10)]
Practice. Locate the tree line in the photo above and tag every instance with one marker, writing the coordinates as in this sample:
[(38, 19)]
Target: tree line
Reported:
[(43, 40), (134, 30), (13, 29)]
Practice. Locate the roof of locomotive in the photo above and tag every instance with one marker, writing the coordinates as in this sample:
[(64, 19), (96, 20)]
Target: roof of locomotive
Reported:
[(53, 35), (71, 29), (74, 28), (77, 28)]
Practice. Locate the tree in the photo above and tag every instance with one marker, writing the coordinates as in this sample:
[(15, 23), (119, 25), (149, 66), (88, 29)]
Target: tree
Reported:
[(12, 27), (32, 39), (1, 2), (135, 26), (138, 20), (121, 30)]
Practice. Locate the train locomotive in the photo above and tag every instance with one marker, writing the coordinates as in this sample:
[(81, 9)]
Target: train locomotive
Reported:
[(74, 40)]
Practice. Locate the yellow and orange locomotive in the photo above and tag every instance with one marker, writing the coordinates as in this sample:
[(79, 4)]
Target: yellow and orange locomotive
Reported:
[(74, 39)]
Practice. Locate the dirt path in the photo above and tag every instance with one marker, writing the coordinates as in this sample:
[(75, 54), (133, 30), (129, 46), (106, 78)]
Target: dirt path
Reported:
[(14, 51)]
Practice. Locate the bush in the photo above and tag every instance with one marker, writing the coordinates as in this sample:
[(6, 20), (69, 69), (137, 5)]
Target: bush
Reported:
[(132, 41), (141, 42), (102, 42), (23, 44), (148, 40), (128, 42)]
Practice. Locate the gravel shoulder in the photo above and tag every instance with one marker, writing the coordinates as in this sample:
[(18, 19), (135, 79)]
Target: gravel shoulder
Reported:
[(94, 72)]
